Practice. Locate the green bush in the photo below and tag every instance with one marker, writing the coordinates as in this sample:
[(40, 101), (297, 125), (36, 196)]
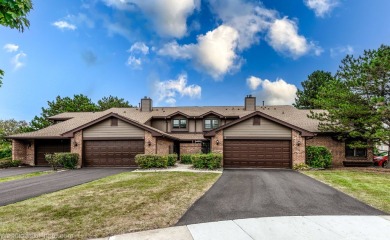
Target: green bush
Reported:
[(5, 150), (8, 162), (172, 158), (53, 161), (151, 161), (185, 158), (67, 160), (301, 166), (207, 161), (318, 157)]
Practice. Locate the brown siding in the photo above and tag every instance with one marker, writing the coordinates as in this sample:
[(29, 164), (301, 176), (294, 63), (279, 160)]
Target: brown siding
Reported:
[(191, 127), (266, 129), (250, 104), (199, 125), (159, 124), (105, 130)]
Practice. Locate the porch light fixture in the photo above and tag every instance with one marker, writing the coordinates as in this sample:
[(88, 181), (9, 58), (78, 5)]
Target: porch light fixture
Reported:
[(299, 143), (29, 144), (75, 144), (149, 143), (217, 142)]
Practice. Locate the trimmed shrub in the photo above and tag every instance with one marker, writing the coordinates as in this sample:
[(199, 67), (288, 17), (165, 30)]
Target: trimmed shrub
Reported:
[(8, 162), (53, 161), (185, 158), (67, 160), (172, 158), (151, 161), (301, 166), (207, 161), (318, 157)]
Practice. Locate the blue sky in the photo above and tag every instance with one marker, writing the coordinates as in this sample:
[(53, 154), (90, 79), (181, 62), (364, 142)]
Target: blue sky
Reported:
[(181, 52)]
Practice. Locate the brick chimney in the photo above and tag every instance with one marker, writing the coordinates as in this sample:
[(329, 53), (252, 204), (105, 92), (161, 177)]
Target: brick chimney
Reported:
[(250, 103), (146, 104)]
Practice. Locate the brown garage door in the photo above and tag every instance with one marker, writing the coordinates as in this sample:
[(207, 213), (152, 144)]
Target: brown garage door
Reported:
[(257, 154), (118, 153), (49, 146)]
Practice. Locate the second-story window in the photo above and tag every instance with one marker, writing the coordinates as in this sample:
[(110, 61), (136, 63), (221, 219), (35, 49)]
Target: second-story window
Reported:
[(211, 123), (179, 124)]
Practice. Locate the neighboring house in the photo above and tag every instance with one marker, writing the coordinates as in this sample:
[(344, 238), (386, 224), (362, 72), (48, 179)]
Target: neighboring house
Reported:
[(248, 136)]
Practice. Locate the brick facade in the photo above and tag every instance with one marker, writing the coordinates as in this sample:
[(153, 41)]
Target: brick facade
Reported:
[(23, 151), (217, 147), (298, 147), (190, 148), (149, 139), (164, 146), (337, 148), (76, 146)]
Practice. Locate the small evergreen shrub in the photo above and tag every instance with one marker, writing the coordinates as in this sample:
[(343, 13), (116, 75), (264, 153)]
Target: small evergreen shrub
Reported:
[(318, 157), (185, 158), (301, 166), (67, 160), (172, 158), (8, 162), (151, 161), (207, 161)]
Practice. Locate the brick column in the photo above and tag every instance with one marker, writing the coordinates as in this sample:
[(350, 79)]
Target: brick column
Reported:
[(30, 153), (152, 149), (298, 147), (164, 146), (217, 148), (76, 146)]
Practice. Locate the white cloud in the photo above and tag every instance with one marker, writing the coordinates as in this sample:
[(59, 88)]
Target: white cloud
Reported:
[(278, 92), (321, 7), (284, 38), (10, 47), (214, 52), (64, 25), (169, 17), (166, 91), (134, 62), (334, 52), (247, 18), (139, 47), (17, 60), (253, 82)]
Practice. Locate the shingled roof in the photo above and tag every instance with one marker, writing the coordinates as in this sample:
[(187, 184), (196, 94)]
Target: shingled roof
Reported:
[(71, 121)]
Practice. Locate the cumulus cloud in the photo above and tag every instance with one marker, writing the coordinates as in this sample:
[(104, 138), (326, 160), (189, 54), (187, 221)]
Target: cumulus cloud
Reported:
[(139, 47), (278, 92), (167, 91), (18, 60), (321, 7), (214, 52), (247, 18), (10, 47), (64, 25), (284, 38), (169, 17), (137, 55), (344, 50)]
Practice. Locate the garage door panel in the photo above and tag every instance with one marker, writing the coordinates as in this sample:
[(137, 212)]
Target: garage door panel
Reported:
[(257, 153), (120, 153), (49, 146)]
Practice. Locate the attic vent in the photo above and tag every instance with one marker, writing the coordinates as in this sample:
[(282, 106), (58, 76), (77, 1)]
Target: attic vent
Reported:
[(114, 122), (256, 120)]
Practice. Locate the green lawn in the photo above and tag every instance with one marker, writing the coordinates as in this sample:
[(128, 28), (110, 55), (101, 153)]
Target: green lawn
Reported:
[(118, 204), (23, 176), (373, 188)]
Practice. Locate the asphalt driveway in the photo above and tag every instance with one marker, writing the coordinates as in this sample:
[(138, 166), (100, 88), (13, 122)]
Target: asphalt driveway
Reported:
[(15, 191), (8, 172), (242, 194)]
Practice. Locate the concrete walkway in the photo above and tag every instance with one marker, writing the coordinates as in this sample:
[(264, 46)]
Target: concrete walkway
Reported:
[(275, 228)]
